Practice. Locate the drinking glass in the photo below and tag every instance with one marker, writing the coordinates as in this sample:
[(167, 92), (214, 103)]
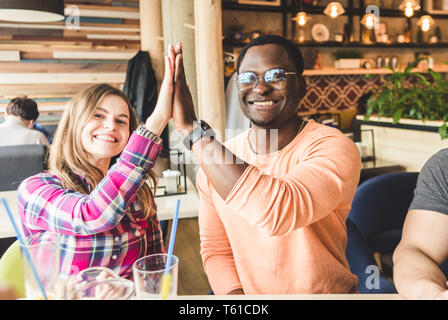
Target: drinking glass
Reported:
[(109, 289), (148, 272), (44, 255)]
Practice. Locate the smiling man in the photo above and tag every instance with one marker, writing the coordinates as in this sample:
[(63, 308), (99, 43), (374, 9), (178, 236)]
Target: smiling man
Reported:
[(272, 220)]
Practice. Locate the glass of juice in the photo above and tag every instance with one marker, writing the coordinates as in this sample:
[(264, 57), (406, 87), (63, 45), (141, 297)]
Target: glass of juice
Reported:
[(148, 272)]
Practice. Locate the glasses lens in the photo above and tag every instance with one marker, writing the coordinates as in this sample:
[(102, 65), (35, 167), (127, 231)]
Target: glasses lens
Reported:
[(276, 78), (246, 80)]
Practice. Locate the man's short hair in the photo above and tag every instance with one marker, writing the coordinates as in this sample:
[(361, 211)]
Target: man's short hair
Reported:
[(292, 49), (23, 107)]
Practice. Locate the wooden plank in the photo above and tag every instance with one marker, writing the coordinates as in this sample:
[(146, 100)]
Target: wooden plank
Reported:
[(9, 55), (83, 33), (53, 108), (102, 8), (35, 67), (127, 41), (12, 32), (41, 46), (36, 55), (62, 89), (102, 12), (56, 78), (100, 55), (113, 37), (84, 26)]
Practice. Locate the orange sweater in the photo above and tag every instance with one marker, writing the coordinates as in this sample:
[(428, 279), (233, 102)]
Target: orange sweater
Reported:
[(281, 229)]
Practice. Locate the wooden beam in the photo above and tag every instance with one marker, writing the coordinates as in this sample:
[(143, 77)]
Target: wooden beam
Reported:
[(60, 77), (209, 64), (151, 30)]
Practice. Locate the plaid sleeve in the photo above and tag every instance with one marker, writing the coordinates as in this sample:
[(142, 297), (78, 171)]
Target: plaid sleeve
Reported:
[(44, 204), (141, 151)]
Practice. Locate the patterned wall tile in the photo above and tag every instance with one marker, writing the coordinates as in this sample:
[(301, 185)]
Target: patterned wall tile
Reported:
[(335, 93)]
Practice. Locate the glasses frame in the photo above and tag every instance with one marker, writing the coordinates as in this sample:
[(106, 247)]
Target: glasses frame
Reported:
[(257, 80)]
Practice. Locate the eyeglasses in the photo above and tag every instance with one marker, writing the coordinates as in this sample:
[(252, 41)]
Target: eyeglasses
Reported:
[(275, 78)]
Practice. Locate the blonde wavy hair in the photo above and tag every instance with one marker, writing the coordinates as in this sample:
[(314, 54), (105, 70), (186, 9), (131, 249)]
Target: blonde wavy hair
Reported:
[(67, 156)]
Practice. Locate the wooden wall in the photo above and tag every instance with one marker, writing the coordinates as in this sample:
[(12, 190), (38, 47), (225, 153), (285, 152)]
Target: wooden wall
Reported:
[(50, 62)]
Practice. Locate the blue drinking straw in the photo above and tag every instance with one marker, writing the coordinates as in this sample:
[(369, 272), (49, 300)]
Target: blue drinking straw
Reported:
[(25, 250), (166, 278)]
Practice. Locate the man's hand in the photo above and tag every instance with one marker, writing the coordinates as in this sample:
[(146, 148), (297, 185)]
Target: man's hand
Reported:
[(183, 108)]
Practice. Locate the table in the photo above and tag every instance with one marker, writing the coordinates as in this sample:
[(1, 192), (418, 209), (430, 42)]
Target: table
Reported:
[(295, 297), (374, 168), (166, 206)]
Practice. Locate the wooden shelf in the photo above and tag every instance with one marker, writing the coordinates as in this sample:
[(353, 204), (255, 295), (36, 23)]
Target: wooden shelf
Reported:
[(391, 13), (380, 71), (248, 7), (333, 44)]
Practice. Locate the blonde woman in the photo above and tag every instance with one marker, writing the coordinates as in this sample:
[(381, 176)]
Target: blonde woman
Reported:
[(95, 195)]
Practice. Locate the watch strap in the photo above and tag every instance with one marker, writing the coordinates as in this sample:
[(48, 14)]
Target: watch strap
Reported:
[(202, 130)]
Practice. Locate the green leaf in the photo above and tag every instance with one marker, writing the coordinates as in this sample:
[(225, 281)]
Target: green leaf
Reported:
[(443, 132), (397, 115)]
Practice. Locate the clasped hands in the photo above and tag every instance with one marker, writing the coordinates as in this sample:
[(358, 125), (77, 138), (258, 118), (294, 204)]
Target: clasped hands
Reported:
[(175, 100)]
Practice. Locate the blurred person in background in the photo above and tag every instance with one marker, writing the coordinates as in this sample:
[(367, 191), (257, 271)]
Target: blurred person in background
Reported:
[(18, 127)]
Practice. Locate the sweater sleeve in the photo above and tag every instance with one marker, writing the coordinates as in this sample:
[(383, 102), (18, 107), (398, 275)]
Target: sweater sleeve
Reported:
[(44, 204), (327, 175), (217, 256)]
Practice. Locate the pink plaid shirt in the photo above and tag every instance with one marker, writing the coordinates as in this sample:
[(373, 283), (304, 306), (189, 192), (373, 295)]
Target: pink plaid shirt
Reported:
[(103, 228)]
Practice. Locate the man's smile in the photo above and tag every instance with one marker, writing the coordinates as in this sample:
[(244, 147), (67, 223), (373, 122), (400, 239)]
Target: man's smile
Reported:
[(264, 104)]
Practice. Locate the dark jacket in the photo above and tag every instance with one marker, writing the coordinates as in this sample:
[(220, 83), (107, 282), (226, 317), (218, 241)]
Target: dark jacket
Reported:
[(141, 88)]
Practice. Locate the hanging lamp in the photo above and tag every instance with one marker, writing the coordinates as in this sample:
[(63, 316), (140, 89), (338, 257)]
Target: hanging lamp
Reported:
[(425, 22), (32, 10), (334, 9), (409, 7)]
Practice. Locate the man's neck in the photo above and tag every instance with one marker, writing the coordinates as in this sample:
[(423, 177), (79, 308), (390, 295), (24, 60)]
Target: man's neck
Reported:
[(265, 141), (26, 123)]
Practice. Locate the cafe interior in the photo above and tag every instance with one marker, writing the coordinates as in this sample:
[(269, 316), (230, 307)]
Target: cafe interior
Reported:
[(358, 55)]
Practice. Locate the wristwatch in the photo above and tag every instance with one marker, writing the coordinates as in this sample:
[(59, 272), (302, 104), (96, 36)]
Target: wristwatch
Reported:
[(202, 130)]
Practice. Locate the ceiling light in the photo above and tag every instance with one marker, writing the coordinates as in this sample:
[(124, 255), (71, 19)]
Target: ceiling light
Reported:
[(334, 9), (301, 18), (370, 21), (425, 22), (32, 10), (409, 6)]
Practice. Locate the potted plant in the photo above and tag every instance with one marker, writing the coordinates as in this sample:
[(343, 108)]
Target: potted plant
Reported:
[(406, 94), (347, 59)]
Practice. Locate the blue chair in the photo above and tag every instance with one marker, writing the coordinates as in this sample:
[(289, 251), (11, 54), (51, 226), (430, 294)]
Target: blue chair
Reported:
[(362, 263), (379, 209)]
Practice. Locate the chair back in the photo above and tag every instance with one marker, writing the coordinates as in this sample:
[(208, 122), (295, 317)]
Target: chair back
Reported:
[(363, 264), (380, 206), (19, 162), (11, 269)]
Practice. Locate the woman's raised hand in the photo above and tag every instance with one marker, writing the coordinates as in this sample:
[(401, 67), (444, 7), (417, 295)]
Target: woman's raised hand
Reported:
[(183, 108), (163, 111)]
